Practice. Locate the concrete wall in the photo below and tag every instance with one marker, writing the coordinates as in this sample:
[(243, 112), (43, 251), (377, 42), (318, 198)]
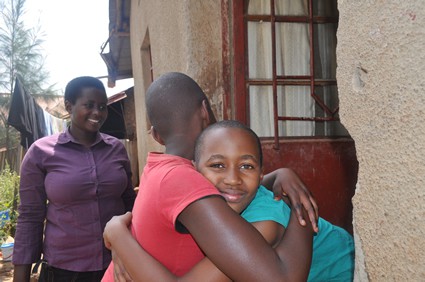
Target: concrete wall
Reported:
[(182, 37), (381, 81)]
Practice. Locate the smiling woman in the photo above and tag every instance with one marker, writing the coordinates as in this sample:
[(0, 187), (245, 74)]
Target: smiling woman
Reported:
[(86, 102), (85, 177)]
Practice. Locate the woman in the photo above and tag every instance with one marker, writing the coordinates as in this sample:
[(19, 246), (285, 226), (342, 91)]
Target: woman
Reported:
[(72, 183)]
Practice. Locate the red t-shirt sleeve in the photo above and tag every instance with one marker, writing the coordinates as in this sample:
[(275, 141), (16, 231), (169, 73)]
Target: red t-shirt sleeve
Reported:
[(183, 188)]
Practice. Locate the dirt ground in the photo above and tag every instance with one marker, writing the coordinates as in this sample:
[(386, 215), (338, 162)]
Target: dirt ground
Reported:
[(6, 271)]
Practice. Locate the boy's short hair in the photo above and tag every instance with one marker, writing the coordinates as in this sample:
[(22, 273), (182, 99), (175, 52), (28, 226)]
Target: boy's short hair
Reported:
[(74, 87), (171, 100), (226, 124)]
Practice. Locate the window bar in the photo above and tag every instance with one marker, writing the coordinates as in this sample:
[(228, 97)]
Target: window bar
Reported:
[(291, 19), (293, 80), (311, 27), (274, 75), (312, 82), (283, 118)]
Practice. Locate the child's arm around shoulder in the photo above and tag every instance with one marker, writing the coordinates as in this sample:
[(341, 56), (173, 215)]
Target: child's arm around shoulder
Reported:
[(141, 266), (284, 182), (230, 242)]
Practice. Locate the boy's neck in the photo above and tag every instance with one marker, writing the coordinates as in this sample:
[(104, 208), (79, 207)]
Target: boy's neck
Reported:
[(181, 151), (181, 143)]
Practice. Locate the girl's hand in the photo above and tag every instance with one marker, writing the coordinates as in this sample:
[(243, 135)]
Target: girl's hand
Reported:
[(286, 184), (113, 228)]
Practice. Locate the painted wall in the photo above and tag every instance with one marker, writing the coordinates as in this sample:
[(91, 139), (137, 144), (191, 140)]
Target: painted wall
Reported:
[(381, 81), (182, 37)]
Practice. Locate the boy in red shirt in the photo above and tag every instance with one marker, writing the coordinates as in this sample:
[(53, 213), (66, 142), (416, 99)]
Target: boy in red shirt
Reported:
[(179, 216)]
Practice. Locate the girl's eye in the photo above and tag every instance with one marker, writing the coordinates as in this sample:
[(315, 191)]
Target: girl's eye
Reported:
[(247, 166), (216, 165)]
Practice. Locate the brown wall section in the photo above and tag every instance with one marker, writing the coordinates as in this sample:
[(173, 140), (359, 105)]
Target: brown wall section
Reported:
[(329, 169)]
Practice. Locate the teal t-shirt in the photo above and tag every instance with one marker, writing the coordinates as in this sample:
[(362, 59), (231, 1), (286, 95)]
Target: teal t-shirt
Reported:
[(333, 247)]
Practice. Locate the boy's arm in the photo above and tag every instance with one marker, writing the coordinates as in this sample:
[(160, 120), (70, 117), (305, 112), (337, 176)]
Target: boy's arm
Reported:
[(206, 271), (233, 244), (138, 265), (117, 230), (119, 240), (285, 182), (270, 230)]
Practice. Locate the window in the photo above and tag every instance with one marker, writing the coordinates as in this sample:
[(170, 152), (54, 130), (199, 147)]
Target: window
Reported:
[(287, 86)]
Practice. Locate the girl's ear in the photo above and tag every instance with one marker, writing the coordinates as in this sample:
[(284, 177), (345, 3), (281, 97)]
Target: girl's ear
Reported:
[(156, 136)]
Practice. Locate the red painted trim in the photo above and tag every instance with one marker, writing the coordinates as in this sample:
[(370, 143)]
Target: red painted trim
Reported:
[(274, 71), (225, 15), (239, 67)]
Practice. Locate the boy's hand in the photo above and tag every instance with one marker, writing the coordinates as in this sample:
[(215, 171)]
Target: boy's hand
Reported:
[(288, 184)]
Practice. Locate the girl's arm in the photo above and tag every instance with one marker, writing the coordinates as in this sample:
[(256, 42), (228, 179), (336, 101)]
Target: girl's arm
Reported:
[(285, 182)]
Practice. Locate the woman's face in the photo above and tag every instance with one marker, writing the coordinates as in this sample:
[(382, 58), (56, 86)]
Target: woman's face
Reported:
[(89, 111)]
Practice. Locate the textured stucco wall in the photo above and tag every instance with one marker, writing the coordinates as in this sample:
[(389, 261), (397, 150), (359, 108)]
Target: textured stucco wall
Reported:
[(185, 36), (381, 80)]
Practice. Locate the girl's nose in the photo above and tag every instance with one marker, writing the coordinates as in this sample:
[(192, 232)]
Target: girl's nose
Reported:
[(232, 177)]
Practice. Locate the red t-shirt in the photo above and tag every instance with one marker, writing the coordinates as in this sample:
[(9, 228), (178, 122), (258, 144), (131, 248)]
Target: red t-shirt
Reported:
[(167, 186)]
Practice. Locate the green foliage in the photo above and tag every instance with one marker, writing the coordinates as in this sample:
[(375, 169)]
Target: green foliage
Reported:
[(21, 51), (9, 197), (21, 54)]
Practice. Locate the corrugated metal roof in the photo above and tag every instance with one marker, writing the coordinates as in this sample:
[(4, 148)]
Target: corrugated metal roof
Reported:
[(118, 59)]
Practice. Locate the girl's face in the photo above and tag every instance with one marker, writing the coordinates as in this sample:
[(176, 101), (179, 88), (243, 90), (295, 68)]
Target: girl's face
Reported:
[(230, 160), (89, 111)]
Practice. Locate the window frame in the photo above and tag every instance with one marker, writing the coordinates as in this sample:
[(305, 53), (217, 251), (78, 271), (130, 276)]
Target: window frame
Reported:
[(240, 69)]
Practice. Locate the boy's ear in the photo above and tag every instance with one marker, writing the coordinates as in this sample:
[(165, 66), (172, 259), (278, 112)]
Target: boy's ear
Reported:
[(156, 136), (207, 114)]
